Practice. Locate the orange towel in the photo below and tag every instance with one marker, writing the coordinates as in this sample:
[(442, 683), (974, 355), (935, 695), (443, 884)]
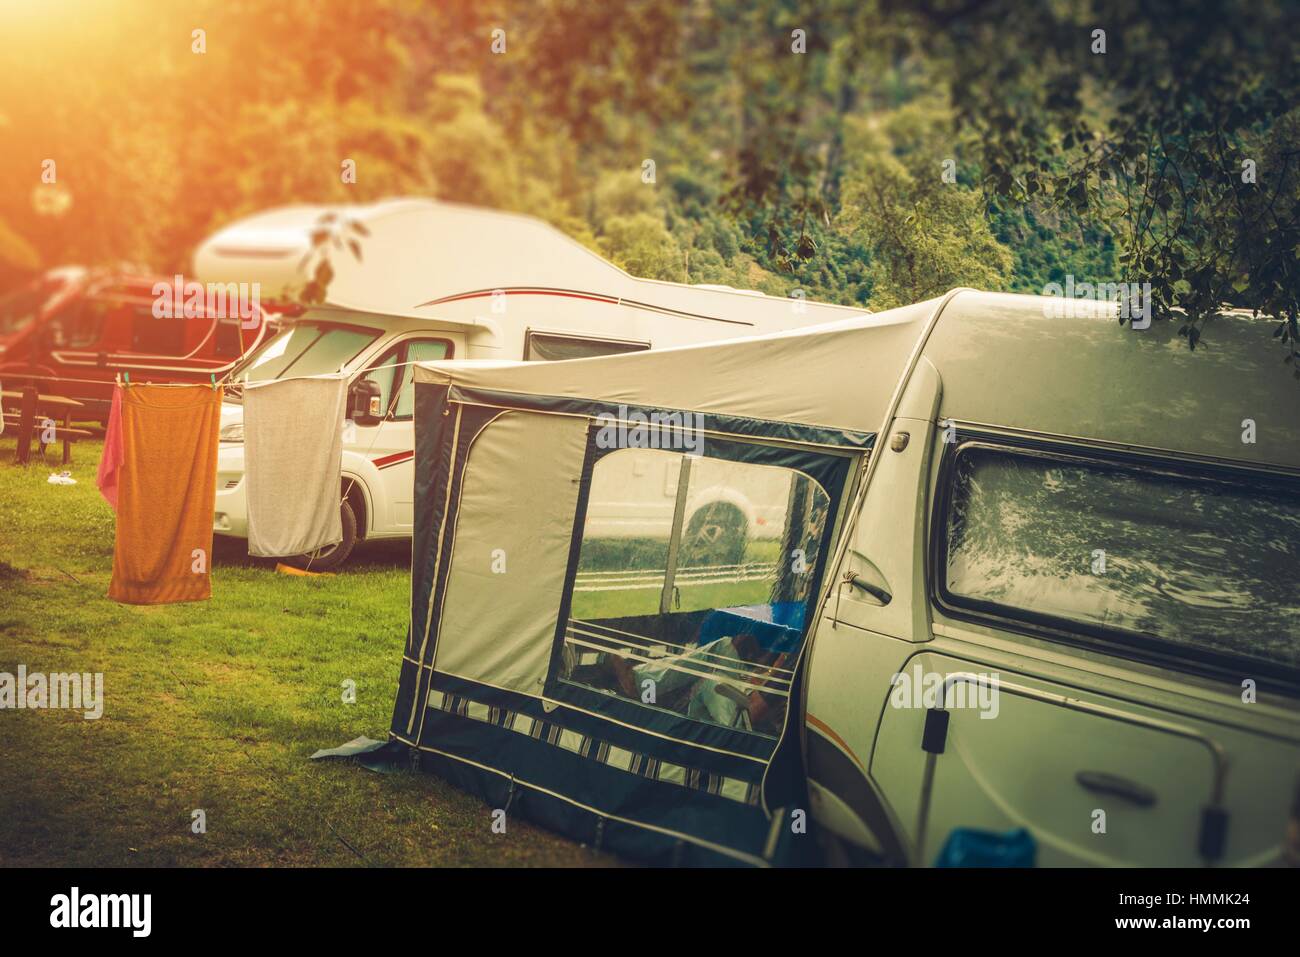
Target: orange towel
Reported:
[(166, 493)]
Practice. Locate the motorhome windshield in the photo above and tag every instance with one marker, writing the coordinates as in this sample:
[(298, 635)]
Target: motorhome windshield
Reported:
[(306, 348)]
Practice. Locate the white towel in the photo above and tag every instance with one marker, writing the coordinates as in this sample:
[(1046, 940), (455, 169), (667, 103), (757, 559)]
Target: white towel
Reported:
[(293, 464)]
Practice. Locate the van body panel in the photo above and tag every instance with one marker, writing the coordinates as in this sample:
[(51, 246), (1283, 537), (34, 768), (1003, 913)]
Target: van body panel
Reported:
[(1006, 363), (893, 521), (979, 780), (1045, 760), (1087, 736)]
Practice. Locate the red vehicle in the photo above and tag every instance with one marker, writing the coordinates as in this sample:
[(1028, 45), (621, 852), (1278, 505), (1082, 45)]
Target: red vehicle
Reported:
[(73, 330)]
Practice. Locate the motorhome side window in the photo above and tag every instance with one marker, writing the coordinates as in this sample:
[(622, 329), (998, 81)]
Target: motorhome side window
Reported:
[(693, 582), (542, 347), (1200, 563)]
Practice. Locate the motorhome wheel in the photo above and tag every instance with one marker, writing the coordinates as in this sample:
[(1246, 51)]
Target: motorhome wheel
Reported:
[(715, 535), (329, 559)]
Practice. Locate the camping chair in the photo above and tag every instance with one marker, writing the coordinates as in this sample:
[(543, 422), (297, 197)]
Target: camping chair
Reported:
[(741, 700)]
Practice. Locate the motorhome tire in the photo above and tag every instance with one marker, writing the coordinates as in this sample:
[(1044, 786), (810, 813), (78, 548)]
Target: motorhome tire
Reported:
[(329, 558), (716, 535)]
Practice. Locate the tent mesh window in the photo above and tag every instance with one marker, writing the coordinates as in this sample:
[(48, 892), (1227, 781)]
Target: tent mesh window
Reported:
[(692, 586)]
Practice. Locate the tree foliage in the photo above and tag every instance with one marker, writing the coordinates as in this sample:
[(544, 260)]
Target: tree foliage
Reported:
[(795, 144), (926, 231)]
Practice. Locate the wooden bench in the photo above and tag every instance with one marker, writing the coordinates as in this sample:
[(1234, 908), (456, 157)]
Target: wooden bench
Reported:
[(26, 422), (65, 433)]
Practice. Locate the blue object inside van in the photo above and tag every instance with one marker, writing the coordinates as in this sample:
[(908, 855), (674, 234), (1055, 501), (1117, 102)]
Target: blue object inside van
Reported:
[(967, 847)]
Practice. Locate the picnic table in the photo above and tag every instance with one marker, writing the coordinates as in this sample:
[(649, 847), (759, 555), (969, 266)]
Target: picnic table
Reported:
[(26, 422)]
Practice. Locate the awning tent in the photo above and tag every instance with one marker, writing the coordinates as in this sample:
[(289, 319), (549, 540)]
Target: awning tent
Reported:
[(617, 560), (614, 565)]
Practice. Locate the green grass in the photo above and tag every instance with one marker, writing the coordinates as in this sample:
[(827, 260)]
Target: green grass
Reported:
[(592, 606), (213, 705), (620, 555)]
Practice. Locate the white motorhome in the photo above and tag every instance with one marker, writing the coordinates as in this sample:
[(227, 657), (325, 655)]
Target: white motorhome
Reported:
[(444, 281)]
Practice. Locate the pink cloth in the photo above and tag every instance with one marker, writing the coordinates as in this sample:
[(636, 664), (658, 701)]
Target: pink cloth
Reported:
[(110, 463)]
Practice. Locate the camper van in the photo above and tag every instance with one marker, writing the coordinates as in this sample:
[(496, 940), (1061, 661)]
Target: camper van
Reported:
[(73, 331), (435, 281), (1031, 594)]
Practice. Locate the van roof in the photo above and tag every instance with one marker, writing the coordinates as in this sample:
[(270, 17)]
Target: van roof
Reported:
[(1004, 360)]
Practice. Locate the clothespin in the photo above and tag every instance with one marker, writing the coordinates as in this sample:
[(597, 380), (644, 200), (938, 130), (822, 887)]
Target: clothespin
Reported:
[(127, 377), (213, 376)]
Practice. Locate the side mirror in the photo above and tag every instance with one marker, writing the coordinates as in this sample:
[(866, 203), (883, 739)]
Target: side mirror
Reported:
[(365, 403)]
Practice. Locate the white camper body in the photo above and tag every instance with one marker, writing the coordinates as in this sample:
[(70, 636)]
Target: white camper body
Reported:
[(445, 281), (1058, 592)]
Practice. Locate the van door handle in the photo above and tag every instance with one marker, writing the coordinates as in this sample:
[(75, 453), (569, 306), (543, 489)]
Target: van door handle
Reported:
[(1099, 782), (875, 591)]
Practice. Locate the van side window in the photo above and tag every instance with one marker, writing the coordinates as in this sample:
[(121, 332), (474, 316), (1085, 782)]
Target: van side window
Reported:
[(157, 337), (1202, 564), (693, 582), (229, 340), (79, 326)]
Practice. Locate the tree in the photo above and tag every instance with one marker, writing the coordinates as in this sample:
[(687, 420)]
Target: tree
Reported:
[(1170, 124), (926, 231), (1173, 121), (642, 245)]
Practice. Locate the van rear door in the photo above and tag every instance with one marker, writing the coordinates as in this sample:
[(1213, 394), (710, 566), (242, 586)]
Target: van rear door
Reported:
[(1140, 620), (1098, 779)]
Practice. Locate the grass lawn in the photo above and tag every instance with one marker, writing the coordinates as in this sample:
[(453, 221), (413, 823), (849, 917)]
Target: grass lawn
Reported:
[(212, 705)]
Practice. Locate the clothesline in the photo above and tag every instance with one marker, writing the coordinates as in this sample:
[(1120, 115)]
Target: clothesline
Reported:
[(293, 512), (239, 385), (326, 375), (12, 376)]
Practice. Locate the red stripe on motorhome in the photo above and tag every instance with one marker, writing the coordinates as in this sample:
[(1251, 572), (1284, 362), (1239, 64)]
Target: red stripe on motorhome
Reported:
[(396, 458), (484, 294)]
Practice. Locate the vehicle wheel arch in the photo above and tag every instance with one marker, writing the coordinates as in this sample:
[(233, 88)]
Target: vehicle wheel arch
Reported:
[(354, 489)]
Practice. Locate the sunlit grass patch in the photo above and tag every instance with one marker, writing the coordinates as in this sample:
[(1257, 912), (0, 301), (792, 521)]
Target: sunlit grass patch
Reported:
[(212, 705)]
